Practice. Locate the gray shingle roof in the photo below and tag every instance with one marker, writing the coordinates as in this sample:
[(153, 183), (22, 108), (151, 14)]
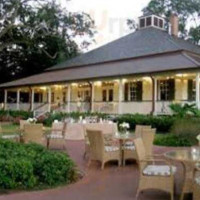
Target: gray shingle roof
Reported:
[(140, 43), (175, 61)]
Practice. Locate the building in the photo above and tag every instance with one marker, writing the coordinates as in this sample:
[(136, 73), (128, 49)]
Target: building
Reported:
[(142, 72)]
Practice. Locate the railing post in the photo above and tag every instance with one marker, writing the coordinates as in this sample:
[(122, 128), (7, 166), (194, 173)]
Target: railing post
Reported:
[(49, 99), (32, 99), (18, 99), (92, 96), (154, 95), (68, 98), (197, 90), (120, 96), (5, 99)]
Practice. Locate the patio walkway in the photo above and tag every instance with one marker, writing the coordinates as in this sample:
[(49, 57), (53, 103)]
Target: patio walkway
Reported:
[(111, 184)]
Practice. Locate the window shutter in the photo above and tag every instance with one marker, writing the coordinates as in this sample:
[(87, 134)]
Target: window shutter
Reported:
[(171, 89), (126, 92), (139, 90), (190, 90)]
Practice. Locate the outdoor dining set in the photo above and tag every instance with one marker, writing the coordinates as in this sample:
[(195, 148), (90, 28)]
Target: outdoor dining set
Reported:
[(105, 142)]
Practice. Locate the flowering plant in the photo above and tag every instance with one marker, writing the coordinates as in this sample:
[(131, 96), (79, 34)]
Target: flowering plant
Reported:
[(124, 127), (32, 120)]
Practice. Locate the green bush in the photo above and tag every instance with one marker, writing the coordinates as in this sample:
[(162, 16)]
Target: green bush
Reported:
[(187, 129), (171, 140), (14, 116), (33, 166), (162, 123)]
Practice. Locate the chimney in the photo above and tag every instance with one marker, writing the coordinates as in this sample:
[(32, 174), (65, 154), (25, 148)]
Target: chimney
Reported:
[(174, 22)]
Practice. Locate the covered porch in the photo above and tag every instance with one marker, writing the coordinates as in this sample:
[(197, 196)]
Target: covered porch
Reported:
[(150, 94)]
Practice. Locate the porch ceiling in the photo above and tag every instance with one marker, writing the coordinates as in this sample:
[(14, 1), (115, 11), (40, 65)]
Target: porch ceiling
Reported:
[(144, 65)]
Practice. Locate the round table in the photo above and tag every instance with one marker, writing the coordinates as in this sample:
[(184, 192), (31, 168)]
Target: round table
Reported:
[(188, 160), (123, 137)]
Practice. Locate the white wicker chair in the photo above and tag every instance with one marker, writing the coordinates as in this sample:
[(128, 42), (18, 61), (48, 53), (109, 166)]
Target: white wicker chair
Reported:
[(152, 175)]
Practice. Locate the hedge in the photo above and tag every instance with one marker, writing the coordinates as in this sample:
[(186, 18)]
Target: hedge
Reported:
[(163, 124), (30, 166)]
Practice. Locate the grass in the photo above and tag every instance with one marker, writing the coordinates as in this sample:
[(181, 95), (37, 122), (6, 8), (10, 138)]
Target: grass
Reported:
[(10, 128)]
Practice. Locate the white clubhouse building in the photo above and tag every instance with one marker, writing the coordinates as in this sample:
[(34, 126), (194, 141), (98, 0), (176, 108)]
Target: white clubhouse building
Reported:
[(142, 72)]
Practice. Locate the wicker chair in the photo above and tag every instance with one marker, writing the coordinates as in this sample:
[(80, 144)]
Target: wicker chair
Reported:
[(33, 133), (140, 128), (57, 134), (196, 188), (153, 176), (147, 135), (100, 152)]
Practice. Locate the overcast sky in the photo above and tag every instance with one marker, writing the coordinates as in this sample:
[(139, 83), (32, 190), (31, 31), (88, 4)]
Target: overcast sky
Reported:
[(110, 16)]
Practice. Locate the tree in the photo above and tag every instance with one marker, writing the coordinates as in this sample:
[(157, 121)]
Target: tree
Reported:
[(188, 12), (36, 34)]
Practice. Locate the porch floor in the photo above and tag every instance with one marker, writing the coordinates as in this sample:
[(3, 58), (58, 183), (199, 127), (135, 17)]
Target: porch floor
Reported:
[(113, 183)]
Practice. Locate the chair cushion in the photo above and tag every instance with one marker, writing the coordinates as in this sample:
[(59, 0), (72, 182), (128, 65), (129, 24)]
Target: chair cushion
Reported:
[(111, 148), (10, 136), (158, 170), (197, 180), (55, 136), (129, 147)]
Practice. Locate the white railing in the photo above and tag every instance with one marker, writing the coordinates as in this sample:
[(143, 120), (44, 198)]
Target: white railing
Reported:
[(24, 106), (106, 107), (11, 106), (41, 110), (143, 107), (85, 107)]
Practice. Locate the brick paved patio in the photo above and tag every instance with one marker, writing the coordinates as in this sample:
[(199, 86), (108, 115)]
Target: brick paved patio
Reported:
[(113, 183)]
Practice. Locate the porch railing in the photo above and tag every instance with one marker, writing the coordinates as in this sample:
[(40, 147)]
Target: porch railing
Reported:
[(106, 107)]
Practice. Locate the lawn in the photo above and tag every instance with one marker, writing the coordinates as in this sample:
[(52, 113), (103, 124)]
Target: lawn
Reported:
[(10, 128)]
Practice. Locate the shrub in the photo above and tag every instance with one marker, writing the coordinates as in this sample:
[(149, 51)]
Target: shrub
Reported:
[(161, 123), (14, 116), (187, 129), (171, 140), (31, 166)]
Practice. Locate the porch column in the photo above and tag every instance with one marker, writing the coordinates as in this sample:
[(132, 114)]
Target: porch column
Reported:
[(154, 95), (92, 96), (18, 99), (32, 99), (68, 98), (5, 99), (49, 99), (120, 96), (197, 90)]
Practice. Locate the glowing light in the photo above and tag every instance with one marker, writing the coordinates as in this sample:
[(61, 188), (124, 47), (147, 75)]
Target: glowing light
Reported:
[(146, 79), (43, 88), (124, 80), (98, 83), (181, 75), (74, 84)]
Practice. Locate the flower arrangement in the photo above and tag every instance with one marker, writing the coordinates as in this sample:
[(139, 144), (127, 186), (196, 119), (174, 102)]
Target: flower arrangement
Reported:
[(124, 127), (32, 120)]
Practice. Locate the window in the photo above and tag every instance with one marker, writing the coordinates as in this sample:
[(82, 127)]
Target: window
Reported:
[(167, 90), (142, 23), (52, 97), (191, 90), (155, 21), (84, 94), (64, 97), (110, 95), (149, 21), (133, 91), (160, 23), (104, 95), (107, 95)]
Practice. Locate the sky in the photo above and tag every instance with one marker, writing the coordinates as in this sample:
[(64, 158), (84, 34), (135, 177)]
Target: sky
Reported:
[(110, 16)]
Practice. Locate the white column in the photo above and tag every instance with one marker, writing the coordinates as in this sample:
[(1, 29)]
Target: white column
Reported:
[(120, 96), (197, 90), (5, 99), (68, 98), (32, 99), (155, 88), (92, 97), (18, 99), (49, 99)]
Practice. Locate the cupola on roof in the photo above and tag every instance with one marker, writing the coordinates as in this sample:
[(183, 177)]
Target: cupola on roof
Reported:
[(151, 21)]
